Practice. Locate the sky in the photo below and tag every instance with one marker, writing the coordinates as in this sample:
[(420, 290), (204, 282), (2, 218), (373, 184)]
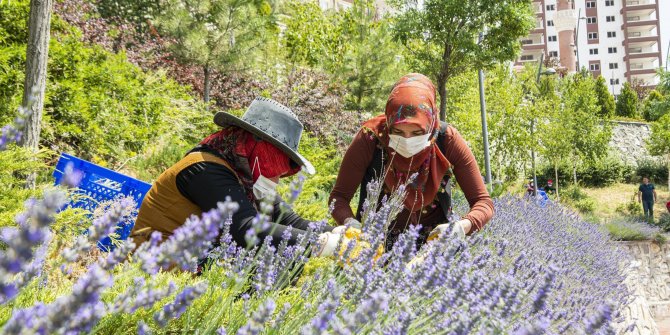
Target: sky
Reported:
[(664, 14)]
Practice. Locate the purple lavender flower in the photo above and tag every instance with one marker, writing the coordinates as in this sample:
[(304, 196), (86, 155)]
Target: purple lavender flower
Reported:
[(143, 329), (188, 243), (181, 302), (21, 242), (73, 313), (12, 133), (256, 323)]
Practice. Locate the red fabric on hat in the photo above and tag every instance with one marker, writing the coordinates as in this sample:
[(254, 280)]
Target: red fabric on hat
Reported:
[(266, 159)]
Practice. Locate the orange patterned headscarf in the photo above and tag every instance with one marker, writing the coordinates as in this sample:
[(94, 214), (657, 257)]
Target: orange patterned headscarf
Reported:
[(412, 101)]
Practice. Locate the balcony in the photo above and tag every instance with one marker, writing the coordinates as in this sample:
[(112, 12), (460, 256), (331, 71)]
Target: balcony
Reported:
[(537, 8), (533, 42), (638, 5)]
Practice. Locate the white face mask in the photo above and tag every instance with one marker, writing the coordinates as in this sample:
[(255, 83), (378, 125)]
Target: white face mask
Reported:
[(408, 147), (263, 187)]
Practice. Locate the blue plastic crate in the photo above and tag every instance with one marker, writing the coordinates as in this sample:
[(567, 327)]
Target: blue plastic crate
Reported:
[(100, 184)]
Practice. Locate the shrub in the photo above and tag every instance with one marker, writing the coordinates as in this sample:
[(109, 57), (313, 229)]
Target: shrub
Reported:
[(664, 222), (627, 229), (655, 169), (604, 172), (98, 106), (631, 208)]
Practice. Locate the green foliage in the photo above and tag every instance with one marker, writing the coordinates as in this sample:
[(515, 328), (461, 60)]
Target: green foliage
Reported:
[(98, 105), (626, 104), (441, 35), (312, 203), (138, 12), (631, 208), (575, 197), (655, 106), (664, 222), (659, 141), (312, 37), (605, 99), (370, 66), (16, 164), (654, 169), (582, 131), (625, 232), (221, 34)]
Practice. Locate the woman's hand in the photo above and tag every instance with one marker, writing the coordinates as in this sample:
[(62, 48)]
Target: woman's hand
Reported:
[(459, 229)]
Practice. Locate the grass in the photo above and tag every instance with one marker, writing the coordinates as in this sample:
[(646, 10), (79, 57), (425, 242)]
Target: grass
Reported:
[(608, 198)]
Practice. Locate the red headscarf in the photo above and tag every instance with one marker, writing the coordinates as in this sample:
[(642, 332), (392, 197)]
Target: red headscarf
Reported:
[(249, 156), (412, 101)]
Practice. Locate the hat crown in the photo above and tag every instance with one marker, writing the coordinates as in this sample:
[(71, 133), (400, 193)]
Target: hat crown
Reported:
[(275, 120)]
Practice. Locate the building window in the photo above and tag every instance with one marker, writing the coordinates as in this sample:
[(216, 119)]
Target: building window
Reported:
[(594, 67), (593, 36), (593, 51), (609, 18), (591, 19), (614, 66), (527, 57), (611, 50), (614, 81), (609, 3), (634, 34), (552, 38), (551, 7), (611, 34), (550, 23), (553, 53), (524, 42), (590, 4)]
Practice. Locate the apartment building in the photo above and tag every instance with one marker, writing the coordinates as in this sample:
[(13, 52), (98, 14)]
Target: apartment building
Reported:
[(622, 40)]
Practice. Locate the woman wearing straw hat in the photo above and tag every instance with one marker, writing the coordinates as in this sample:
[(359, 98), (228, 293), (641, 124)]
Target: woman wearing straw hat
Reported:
[(408, 139), (243, 161)]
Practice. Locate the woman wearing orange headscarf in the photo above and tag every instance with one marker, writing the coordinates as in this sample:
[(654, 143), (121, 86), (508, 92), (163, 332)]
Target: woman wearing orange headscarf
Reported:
[(409, 139)]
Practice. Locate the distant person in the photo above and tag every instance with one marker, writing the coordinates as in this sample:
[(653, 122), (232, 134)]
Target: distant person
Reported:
[(549, 188), (647, 196), (530, 188)]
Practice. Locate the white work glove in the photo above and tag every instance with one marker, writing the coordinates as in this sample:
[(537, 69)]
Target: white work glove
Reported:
[(458, 229), (353, 223), (326, 244)]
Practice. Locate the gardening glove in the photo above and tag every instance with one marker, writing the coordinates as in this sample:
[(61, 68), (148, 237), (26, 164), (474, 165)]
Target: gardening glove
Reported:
[(457, 230), (353, 223)]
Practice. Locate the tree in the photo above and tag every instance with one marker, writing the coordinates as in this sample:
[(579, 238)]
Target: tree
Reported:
[(312, 37), (626, 104), (370, 66), (605, 99), (216, 34), (39, 26), (657, 103), (441, 36), (659, 140), (587, 135)]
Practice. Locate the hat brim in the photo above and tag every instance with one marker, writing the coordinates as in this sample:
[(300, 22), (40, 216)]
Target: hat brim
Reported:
[(224, 119)]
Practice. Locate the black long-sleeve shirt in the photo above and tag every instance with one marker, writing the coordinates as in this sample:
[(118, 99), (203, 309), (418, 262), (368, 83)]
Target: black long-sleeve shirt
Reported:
[(205, 184)]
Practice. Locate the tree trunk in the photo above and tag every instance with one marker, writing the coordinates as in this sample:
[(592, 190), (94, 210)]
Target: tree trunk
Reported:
[(34, 85), (442, 87), (574, 173), (558, 197), (207, 84), (668, 172)]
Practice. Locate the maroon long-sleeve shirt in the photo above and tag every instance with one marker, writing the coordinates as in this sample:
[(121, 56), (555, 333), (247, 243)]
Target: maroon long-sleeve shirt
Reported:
[(466, 171)]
